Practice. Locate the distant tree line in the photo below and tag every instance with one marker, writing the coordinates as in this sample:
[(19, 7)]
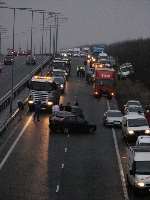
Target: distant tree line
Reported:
[(135, 51)]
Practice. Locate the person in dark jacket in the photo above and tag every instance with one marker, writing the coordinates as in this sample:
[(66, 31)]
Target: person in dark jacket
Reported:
[(37, 109), (21, 108), (147, 115)]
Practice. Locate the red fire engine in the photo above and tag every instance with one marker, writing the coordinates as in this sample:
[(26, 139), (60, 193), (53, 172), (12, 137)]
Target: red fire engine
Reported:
[(104, 83)]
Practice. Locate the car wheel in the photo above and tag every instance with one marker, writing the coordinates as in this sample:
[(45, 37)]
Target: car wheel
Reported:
[(92, 130)]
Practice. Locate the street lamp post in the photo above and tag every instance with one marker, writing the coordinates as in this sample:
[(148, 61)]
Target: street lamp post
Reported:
[(13, 46)]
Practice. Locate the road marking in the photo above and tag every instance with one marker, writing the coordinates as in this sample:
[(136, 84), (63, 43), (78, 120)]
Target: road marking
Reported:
[(62, 165), (15, 143), (68, 135), (57, 188), (119, 162), (66, 149)]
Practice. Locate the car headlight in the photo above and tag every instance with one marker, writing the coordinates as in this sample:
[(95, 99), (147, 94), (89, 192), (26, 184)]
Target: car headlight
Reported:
[(131, 132), (112, 94), (61, 86), (50, 103), (140, 184), (96, 92), (147, 131), (30, 101)]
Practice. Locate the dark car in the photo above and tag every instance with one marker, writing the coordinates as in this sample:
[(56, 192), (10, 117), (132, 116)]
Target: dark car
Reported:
[(64, 121), (61, 82), (30, 60), (8, 60)]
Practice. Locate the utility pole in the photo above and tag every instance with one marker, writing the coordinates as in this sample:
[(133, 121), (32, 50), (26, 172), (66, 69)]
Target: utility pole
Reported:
[(43, 33), (50, 39), (0, 43)]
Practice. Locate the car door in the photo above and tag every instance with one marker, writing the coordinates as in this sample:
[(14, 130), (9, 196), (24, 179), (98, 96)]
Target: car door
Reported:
[(70, 123)]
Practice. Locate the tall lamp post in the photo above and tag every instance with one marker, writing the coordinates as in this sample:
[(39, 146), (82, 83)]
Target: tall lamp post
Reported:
[(13, 46)]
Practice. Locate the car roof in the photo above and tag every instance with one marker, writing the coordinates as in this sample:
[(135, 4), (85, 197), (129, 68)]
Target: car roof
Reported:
[(134, 116), (110, 110), (58, 77), (58, 70), (133, 101), (64, 114)]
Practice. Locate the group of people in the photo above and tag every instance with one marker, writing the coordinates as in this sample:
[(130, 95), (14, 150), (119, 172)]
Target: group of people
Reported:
[(56, 108)]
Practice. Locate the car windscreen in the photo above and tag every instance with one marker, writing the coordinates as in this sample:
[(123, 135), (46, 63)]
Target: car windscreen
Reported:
[(42, 86), (124, 69), (58, 73), (104, 82), (133, 103), (137, 122), (114, 114), (59, 80), (60, 65), (142, 167), (135, 109)]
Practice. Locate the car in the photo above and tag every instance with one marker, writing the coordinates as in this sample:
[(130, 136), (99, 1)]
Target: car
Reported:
[(134, 125), (61, 82), (112, 118), (8, 59), (59, 72), (30, 60), (76, 110), (67, 122), (131, 102), (143, 140), (134, 109)]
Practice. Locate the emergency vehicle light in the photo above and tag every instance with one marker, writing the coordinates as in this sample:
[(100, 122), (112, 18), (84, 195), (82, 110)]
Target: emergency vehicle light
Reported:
[(42, 77)]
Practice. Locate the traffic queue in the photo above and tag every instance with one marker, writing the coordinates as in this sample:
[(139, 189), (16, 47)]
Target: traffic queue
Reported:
[(47, 90), (132, 119)]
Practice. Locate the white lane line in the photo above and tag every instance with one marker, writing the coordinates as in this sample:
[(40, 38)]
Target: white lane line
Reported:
[(57, 188), (62, 165), (120, 166), (66, 149), (126, 197), (15, 143)]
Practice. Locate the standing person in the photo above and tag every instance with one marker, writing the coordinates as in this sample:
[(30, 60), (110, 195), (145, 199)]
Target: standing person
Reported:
[(21, 108), (37, 109), (61, 107), (55, 109), (78, 71), (147, 115)]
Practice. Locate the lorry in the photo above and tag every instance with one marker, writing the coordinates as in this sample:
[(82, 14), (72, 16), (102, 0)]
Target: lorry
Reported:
[(104, 83), (138, 168), (45, 90)]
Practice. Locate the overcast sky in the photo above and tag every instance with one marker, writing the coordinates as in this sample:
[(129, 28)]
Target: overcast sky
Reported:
[(89, 21)]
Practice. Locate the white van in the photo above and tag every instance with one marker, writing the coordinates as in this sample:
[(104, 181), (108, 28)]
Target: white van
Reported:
[(138, 168), (134, 125)]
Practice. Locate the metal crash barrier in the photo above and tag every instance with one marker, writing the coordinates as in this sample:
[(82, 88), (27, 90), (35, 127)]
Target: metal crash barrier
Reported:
[(6, 99)]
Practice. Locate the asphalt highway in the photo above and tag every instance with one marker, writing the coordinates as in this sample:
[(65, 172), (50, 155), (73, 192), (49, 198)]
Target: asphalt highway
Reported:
[(20, 71), (38, 165)]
